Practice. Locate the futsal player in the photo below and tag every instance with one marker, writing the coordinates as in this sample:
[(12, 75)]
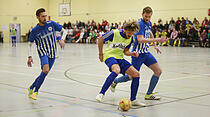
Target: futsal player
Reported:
[(13, 32), (44, 35), (119, 42), (142, 39)]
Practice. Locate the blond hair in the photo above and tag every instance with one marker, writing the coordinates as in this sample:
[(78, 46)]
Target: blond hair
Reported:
[(131, 26)]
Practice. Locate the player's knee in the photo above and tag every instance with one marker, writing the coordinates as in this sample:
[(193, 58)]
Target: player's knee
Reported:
[(46, 71), (136, 74), (117, 71), (158, 72)]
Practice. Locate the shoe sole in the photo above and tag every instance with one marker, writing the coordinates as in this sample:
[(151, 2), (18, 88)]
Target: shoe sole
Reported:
[(151, 99)]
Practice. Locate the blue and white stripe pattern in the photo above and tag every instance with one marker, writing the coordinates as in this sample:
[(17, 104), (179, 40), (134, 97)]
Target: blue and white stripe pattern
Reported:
[(144, 29), (45, 38)]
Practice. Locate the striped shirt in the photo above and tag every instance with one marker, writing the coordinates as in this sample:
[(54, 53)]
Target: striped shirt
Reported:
[(45, 38), (144, 29)]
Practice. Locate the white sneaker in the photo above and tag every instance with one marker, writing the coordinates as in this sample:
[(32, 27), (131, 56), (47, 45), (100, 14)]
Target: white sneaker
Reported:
[(136, 103), (112, 87), (100, 97)]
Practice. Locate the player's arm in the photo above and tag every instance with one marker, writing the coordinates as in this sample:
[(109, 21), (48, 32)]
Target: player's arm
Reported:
[(105, 37), (156, 48), (30, 49), (30, 59), (63, 37), (100, 48), (127, 52)]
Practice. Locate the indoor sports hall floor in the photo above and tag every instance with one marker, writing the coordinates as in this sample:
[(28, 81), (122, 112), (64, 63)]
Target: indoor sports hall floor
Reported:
[(76, 78)]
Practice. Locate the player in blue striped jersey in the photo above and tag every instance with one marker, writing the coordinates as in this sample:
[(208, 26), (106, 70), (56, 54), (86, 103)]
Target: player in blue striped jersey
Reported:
[(141, 45), (44, 35)]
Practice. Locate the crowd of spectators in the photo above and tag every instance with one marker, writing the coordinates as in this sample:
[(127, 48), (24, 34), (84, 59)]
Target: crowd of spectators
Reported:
[(179, 32)]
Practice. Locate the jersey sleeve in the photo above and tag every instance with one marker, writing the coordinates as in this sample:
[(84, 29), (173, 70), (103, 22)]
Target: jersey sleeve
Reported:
[(141, 30), (128, 46), (57, 26), (108, 36), (32, 36)]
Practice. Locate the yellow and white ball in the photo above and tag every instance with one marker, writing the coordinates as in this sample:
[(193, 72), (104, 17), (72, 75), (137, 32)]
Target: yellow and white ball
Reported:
[(125, 104)]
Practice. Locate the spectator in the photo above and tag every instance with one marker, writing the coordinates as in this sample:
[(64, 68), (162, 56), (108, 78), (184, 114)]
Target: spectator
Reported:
[(174, 35), (183, 36), (205, 22), (203, 38), (166, 25), (193, 34), (178, 22), (1, 37)]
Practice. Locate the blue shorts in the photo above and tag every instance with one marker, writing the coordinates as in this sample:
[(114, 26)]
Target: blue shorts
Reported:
[(13, 37), (124, 65), (146, 58), (46, 60)]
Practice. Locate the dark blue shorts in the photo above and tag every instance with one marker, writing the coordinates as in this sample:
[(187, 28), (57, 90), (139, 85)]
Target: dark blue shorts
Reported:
[(146, 58), (46, 60), (124, 65), (13, 37)]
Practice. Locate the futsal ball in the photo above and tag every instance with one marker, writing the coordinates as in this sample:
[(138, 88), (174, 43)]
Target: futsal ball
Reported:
[(125, 104)]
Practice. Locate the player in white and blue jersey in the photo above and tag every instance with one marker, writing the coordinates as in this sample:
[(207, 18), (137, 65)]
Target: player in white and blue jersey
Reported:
[(141, 45), (44, 35)]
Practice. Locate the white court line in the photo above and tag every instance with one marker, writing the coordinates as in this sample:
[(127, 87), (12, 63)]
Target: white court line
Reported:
[(143, 82), (17, 73)]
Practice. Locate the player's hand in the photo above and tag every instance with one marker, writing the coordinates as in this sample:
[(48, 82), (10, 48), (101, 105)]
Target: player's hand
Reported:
[(101, 57), (158, 50), (62, 43), (135, 54), (30, 61)]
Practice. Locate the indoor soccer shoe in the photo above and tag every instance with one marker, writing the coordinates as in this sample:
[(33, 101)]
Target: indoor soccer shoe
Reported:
[(34, 95), (30, 92), (112, 87), (100, 97), (136, 103), (151, 97)]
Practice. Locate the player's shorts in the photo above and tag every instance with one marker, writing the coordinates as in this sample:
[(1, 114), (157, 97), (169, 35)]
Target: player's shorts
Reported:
[(46, 60), (146, 58), (124, 65), (13, 37)]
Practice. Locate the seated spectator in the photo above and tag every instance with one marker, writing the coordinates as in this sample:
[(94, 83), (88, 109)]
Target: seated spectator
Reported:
[(164, 35), (208, 40), (203, 38), (193, 34), (174, 35), (183, 36)]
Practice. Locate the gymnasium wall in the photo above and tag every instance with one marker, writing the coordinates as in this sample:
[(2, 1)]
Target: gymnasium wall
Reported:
[(120, 10), (111, 10), (24, 10)]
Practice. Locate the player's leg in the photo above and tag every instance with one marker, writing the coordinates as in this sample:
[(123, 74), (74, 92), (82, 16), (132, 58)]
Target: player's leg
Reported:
[(115, 70), (46, 64), (151, 62), (136, 62), (131, 71)]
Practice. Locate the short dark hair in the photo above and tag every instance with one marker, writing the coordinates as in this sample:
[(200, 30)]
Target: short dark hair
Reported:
[(147, 10), (39, 11)]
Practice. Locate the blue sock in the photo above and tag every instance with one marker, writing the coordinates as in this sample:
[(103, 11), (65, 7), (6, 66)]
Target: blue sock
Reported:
[(124, 78), (34, 83), (40, 81), (108, 82), (153, 83), (134, 88)]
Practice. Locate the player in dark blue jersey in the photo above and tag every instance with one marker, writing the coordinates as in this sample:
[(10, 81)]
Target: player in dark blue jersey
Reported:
[(44, 35), (141, 45)]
